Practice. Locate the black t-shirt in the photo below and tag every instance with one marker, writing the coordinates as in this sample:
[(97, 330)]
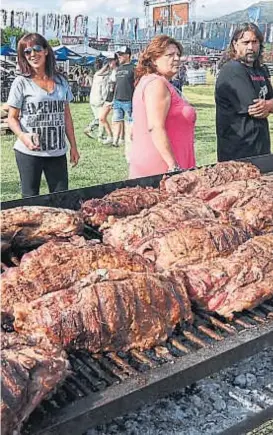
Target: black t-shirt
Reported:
[(125, 82), (238, 134)]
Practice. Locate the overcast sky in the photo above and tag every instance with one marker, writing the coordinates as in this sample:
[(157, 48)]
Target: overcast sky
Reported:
[(121, 8)]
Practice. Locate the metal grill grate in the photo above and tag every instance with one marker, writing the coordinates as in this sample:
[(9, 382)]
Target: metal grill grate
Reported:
[(102, 379)]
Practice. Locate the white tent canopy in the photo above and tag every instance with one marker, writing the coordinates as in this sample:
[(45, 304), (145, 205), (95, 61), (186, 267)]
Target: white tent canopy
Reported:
[(84, 50)]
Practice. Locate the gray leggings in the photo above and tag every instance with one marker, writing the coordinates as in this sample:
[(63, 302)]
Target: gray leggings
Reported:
[(32, 167)]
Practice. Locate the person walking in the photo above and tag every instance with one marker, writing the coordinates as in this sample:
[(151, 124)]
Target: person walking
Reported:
[(97, 98), (122, 103), (39, 115), (244, 98), (107, 107), (163, 127)]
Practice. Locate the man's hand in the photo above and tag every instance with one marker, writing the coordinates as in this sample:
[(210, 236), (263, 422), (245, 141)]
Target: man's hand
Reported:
[(260, 108), (74, 156)]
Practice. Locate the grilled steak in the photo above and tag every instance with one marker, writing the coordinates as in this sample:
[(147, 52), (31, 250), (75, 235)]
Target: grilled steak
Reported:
[(120, 203), (132, 229), (57, 265), (241, 281), (203, 183), (123, 310), (190, 242), (31, 367), (32, 226)]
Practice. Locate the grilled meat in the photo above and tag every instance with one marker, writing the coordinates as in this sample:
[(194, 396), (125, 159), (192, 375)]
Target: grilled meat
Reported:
[(256, 215), (57, 265), (239, 193), (32, 226), (176, 210), (120, 203), (123, 310), (241, 281), (190, 242), (203, 183), (31, 367)]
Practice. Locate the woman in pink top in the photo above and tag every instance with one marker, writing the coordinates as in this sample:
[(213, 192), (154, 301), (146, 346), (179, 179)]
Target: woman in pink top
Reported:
[(163, 122)]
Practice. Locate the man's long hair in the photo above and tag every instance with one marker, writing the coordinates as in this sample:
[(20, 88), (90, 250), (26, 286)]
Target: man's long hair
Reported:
[(238, 34)]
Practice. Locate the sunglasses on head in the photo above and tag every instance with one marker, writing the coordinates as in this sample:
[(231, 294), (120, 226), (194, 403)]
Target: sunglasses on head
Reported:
[(36, 48)]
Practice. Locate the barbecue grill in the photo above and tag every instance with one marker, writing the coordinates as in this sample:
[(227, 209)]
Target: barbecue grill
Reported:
[(103, 386)]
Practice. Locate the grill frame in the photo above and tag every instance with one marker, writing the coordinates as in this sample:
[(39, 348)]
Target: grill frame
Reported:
[(99, 407), (72, 199), (143, 388)]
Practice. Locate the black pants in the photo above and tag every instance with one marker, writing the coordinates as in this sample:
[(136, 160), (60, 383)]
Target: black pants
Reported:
[(32, 167)]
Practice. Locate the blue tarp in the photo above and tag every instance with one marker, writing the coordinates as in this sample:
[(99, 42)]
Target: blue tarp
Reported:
[(216, 43), (64, 53), (5, 50)]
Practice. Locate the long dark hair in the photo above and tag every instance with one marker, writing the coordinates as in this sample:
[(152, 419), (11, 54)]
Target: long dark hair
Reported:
[(238, 34), (153, 51), (36, 39)]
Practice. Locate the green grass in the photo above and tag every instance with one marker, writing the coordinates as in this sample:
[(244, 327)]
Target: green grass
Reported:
[(100, 164)]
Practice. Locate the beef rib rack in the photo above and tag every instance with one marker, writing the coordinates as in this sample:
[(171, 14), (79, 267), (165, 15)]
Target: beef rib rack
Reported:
[(204, 183), (120, 203), (31, 367), (34, 225), (191, 242), (132, 229), (241, 281), (59, 264), (109, 311)]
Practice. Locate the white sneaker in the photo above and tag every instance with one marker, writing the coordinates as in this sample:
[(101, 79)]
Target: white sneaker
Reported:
[(108, 141), (121, 142)]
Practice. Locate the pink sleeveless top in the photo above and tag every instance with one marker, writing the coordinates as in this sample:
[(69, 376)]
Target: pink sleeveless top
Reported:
[(144, 159)]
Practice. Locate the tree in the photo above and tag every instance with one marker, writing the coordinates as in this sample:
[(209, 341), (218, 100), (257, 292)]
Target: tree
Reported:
[(54, 42), (11, 31)]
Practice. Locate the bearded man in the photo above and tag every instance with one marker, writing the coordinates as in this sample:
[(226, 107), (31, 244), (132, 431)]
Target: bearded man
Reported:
[(244, 98)]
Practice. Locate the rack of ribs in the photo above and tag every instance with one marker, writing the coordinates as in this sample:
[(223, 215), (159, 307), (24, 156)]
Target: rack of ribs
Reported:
[(114, 311), (241, 281), (58, 264), (120, 203), (31, 367), (239, 193), (132, 229), (192, 241), (34, 225), (203, 183)]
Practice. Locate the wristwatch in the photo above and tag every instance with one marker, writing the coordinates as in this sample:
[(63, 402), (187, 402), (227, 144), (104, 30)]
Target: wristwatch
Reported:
[(175, 168)]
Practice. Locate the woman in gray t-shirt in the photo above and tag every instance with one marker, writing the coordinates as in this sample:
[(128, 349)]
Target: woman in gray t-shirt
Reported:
[(40, 117)]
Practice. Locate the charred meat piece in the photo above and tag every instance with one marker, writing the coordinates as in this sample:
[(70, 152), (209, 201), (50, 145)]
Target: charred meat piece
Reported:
[(239, 193), (256, 215), (57, 265), (241, 281), (190, 242), (203, 183), (31, 367), (32, 226), (120, 203), (123, 310), (176, 210)]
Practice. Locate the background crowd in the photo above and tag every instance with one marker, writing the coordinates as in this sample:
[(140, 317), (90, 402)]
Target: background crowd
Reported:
[(146, 102)]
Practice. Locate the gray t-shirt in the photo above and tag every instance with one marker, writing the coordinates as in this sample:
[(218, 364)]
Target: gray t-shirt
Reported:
[(41, 112)]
